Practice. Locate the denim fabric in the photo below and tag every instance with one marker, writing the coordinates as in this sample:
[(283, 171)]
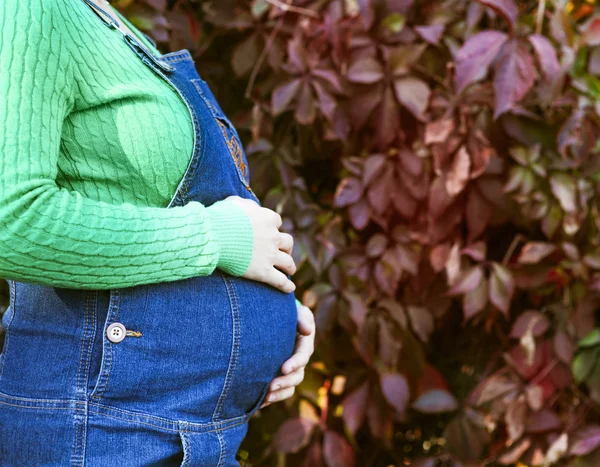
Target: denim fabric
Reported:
[(197, 358)]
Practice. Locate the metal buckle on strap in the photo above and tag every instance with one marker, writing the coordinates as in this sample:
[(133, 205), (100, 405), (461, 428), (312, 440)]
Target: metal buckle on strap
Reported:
[(132, 41), (113, 23)]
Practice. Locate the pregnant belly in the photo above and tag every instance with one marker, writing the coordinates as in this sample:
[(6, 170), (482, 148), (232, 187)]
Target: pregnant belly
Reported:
[(208, 349)]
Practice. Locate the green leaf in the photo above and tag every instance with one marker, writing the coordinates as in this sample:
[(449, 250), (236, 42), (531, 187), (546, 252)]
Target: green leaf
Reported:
[(584, 363), (394, 22), (591, 339)]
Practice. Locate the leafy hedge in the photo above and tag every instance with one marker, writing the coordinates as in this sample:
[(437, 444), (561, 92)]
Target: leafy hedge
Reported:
[(436, 162)]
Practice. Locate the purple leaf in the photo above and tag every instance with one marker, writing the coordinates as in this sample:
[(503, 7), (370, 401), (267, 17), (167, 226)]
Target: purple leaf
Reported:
[(337, 451), (435, 401), (306, 110), (475, 300), (565, 190), (431, 34), (365, 70), (546, 55), (501, 287), (348, 192), (413, 94), (395, 389), (355, 407), (293, 434), (533, 320), (283, 95), (506, 8), (515, 75), (475, 56), (534, 252), (467, 281), (585, 440)]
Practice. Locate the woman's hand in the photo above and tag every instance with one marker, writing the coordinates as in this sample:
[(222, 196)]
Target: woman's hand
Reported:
[(272, 248), (284, 386)]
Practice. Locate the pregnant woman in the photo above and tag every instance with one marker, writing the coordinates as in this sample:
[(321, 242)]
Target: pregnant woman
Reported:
[(151, 308)]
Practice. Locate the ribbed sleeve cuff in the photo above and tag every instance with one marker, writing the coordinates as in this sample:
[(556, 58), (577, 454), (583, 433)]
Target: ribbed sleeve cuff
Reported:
[(233, 233)]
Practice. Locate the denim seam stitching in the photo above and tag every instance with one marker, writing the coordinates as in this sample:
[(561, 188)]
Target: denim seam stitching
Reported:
[(174, 425), (107, 349), (13, 296), (233, 305), (187, 448), (219, 115), (223, 448)]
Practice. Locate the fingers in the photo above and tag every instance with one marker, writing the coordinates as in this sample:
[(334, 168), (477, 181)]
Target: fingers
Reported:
[(306, 321), (286, 243), (287, 381), (305, 346), (280, 281), (285, 262), (277, 396)]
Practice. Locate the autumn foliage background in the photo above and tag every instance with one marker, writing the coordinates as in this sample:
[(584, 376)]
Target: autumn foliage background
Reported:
[(437, 164)]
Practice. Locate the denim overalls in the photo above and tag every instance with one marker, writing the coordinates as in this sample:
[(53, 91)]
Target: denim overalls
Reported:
[(157, 374)]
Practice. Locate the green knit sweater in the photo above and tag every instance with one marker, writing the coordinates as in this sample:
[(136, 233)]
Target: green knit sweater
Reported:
[(93, 145)]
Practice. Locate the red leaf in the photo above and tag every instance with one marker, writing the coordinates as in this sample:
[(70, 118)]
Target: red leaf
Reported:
[(395, 389), (306, 110), (438, 131), (515, 418), (388, 120), (478, 214), (436, 401), (355, 407), (313, 455), (459, 172), (348, 192), (475, 56), (431, 34), (501, 287), (283, 95), (365, 70), (563, 347), (506, 8), (363, 104), (534, 252), (337, 451), (591, 32), (413, 94), (467, 281), (293, 434), (421, 321), (475, 300), (546, 54), (544, 420), (515, 75)]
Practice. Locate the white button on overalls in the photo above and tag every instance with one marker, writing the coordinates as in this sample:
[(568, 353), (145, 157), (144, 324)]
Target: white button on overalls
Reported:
[(116, 332)]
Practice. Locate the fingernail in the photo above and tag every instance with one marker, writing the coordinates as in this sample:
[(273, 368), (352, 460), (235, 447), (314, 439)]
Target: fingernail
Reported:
[(271, 398), (277, 386)]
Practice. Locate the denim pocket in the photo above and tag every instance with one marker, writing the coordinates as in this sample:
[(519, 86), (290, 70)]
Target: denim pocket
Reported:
[(230, 134), (259, 402)]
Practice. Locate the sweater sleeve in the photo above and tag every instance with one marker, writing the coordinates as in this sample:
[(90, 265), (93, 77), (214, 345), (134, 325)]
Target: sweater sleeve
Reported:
[(53, 236)]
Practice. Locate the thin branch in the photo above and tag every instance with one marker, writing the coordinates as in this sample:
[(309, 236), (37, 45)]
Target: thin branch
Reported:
[(294, 9), (262, 57), (511, 248), (540, 16)]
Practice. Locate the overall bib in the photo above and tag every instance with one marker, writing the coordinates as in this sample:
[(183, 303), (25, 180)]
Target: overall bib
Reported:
[(157, 374)]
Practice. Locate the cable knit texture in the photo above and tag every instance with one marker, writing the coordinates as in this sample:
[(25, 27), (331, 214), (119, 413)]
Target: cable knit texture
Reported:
[(93, 145)]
